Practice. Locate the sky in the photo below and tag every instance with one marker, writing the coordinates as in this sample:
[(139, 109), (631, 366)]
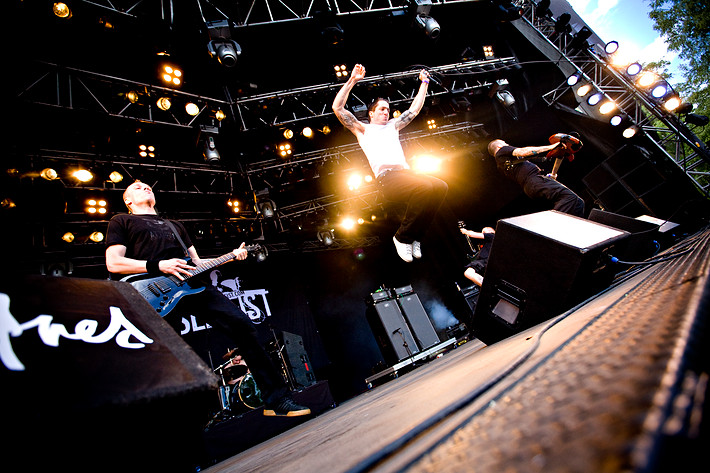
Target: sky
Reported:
[(627, 22)]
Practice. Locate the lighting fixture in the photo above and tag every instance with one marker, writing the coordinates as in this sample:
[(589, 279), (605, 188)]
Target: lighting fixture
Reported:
[(96, 207), (288, 133), (96, 237), (233, 204), (633, 69), (61, 10), (630, 131), (132, 96), (579, 40), (146, 151), (285, 150), (427, 23), (171, 75), (221, 44), (659, 90), (488, 51), (573, 79), (68, 237), (192, 109), (307, 132), (210, 152), (82, 175), (607, 107), (595, 98), (341, 71), (115, 177), (163, 103), (647, 79), (584, 90), (431, 124), (611, 47), (220, 115), (48, 174), (672, 103), (354, 182), (697, 120), (326, 237), (616, 120)]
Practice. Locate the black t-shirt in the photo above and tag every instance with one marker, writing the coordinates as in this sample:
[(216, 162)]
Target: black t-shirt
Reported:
[(146, 237), (517, 172)]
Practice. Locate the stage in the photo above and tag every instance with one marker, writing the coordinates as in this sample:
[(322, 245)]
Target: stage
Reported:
[(614, 384)]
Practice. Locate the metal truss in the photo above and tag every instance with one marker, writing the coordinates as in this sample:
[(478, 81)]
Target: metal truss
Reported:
[(314, 102), (671, 136)]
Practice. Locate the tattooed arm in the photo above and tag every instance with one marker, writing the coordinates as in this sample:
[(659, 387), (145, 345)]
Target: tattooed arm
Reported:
[(345, 116), (406, 117)]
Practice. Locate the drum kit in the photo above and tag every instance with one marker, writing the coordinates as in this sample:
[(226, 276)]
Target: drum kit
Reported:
[(238, 392)]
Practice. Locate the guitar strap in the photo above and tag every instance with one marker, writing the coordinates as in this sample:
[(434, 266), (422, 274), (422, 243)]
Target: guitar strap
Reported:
[(177, 235)]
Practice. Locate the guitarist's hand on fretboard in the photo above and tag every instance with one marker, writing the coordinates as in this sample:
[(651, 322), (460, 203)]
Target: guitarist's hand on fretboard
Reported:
[(176, 267)]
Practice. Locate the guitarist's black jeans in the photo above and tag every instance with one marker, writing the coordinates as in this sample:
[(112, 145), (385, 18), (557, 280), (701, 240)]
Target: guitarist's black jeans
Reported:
[(222, 314)]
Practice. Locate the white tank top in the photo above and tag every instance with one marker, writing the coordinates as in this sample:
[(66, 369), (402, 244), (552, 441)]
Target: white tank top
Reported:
[(381, 146)]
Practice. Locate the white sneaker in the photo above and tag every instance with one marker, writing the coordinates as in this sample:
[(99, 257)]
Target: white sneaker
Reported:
[(417, 249), (404, 250)]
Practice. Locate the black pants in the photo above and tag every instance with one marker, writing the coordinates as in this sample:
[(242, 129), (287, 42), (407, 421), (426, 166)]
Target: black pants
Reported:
[(223, 315), (561, 197), (423, 195)]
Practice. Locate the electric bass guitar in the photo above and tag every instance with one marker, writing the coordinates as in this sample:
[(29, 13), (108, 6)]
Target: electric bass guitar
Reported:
[(164, 292)]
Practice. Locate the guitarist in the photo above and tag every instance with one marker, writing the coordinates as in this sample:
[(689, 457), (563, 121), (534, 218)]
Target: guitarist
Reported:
[(142, 242), (514, 164)]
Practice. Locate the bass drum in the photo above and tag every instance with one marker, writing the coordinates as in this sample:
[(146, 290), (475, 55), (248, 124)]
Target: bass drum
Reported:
[(246, 393)]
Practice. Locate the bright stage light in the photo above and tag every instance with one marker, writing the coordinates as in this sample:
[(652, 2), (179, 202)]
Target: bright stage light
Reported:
[(672, 104), (68, 237), (354, 182), (630, 131), (82, 175), (48, 174), (633, 69), (584, 90), (164, 103), (192, 109), (348, 223), (96, 237), (171, 75), (426, 164), (607, 107), (595, 99)]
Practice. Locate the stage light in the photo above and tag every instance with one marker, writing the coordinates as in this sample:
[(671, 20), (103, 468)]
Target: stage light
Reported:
[(562, 23), (427, 23), (611, 47), (659, 90), (163, 103), (96, 237), (583, 90), (488, 51), (48, 174), (431, 124), (633, 69), (684, 107), (630, 132), (307, 132), (543, 8), (61, 10), (607, 107), (132, 96), (505, 98), (672, 104), (425, 164), (82, 175), (220, 115), (226, 51), (96, 207), (616, 120), (210, 152), (595, 98), (573, 79), (192, 109), (68, 237), (326, 237), (261, 254), (285, 150), (146, 151), (325, 130), (341, 71), (697, 120), (579, 41), (234, 204), (115, 177), (7, 203), (288, 133), (267, 208), (647, 79), (171, 75), (347, 223)]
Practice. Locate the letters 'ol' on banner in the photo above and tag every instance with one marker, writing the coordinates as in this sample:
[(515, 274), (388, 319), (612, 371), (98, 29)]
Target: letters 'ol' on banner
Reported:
[(89, 366)]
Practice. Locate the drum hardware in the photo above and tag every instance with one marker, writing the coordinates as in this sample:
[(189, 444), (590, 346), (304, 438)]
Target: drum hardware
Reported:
[(278, 350)]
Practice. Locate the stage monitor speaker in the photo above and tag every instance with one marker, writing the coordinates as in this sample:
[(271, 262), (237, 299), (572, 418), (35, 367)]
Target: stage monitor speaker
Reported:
[(541, 265), (416, 316), (298, 360), (643, 239), (391, 331), (89, 367)]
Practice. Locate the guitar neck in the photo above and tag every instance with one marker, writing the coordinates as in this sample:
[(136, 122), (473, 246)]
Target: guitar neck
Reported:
[(214, 262)]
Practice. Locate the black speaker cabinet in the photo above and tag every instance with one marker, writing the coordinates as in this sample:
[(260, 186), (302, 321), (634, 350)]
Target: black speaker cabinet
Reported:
[(541, 265), (88, 366), (391, 331), (298, 360), (643, 239), (416, 316)]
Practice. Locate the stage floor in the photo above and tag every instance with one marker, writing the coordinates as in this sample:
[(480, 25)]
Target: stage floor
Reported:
[(590, 390)]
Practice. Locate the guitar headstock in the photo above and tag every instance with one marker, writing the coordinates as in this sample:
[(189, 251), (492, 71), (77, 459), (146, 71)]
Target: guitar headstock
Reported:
[(462, 224), (253, 248)]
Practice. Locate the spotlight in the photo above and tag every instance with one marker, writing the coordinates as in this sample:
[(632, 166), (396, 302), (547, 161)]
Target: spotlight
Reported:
[(488, 52), (82, 175), (584, 90), (354, 182), (326, 237), (221, 44), (307, 132), (647, 79), (172, 75), (595, 98), (505, 97), (616, 120), (573, 79), (192, 109), (431, 124), (325, 130), (611, 47), (697, 120), (261, 254), (347, 223), (115, 177), (426, 164), (288, 133), (607, 107), (562, 24), (96, 237), (579, 41), (146, 151), (543, 8), (220, 115), (61, 10), (132, 96), (672, 103), (210, 152), (96, 207), (659, 90), (285, 150), (233, 204), (48, 174), (633, 69), (341, 71), (68, 237), (427, 23), (267, 208), (164, 103), (630, 131)]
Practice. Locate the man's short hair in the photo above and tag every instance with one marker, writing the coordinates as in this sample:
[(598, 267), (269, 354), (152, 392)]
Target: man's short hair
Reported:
[(493, 145), (373, 104)]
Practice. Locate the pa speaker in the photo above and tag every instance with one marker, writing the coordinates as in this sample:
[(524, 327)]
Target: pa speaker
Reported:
[(416, 316), (298, 360), (88, 366), (541, 265), (643, 240), (391, 331)]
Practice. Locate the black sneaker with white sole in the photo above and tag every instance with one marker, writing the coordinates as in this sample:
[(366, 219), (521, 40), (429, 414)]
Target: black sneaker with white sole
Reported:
[(286, 408)]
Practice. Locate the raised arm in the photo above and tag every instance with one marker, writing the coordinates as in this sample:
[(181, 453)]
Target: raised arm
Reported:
[(408, 115), (345, 116)]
